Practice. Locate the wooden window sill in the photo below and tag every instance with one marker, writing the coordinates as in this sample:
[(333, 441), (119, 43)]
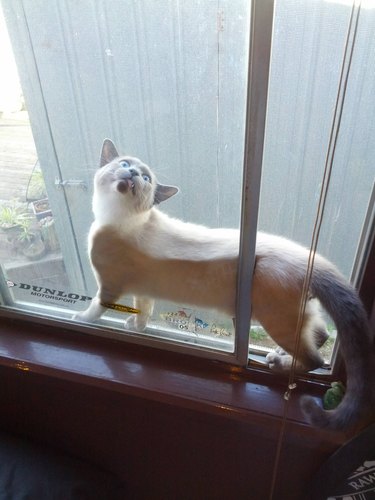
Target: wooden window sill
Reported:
[(153, 374)]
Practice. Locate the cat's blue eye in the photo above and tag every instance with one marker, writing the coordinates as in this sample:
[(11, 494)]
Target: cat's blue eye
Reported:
[(124, 163), (146, 178)]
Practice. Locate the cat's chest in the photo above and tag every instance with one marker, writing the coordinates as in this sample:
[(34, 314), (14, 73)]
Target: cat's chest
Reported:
[(113, 252)]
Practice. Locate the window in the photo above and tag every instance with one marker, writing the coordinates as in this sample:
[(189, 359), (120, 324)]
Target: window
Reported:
[(168, 82)]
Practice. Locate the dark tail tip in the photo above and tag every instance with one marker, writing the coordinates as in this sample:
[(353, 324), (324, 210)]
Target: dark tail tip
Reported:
[(314, 412), (342, 417)]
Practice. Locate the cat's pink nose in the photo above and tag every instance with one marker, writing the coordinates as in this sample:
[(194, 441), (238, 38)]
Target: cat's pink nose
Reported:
[(127, 173)]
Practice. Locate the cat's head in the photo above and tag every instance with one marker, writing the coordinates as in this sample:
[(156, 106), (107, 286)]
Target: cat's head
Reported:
[(129, 181)]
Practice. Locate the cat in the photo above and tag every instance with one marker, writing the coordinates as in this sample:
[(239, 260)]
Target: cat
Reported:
[(135, 248)]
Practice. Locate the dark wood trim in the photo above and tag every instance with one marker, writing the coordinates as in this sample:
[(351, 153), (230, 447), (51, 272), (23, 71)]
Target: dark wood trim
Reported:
[(174, 425), (153, 374)]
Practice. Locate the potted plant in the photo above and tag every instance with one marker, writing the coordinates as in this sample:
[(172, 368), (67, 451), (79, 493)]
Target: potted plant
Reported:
[(9, 221), (9, 217), (30, 239), (41, 208)]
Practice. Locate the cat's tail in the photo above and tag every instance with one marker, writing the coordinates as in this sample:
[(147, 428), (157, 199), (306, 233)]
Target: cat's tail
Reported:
[(342, 303)]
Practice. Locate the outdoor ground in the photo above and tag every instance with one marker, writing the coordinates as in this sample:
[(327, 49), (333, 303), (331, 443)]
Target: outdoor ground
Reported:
[(17, 155)]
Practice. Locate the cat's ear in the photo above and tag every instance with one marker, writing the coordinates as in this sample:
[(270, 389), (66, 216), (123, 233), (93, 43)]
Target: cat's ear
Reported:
[(109, 152), (164, 192)]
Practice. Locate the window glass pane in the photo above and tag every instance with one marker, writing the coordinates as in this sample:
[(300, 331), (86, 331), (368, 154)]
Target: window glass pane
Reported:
[(308, 47), (167, 82)]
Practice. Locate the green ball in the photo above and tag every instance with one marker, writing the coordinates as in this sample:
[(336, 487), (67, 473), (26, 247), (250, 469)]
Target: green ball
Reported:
[(332, 398)]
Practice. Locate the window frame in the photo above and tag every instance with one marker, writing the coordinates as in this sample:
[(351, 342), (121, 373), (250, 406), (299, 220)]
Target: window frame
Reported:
[(258, 78), (259, 60), (170, 378)]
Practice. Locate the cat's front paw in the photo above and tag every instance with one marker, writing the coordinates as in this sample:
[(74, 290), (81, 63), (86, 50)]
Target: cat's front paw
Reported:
[(136, 323), (80, 317), (91, 314)]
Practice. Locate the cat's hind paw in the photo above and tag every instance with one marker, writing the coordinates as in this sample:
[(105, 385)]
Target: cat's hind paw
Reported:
[(278, 361)]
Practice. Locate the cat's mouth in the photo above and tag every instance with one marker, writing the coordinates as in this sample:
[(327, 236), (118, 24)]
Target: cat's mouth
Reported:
[(126, 185)]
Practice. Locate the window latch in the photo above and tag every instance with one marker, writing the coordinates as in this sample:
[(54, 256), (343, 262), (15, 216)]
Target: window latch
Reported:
[(70, 183)]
